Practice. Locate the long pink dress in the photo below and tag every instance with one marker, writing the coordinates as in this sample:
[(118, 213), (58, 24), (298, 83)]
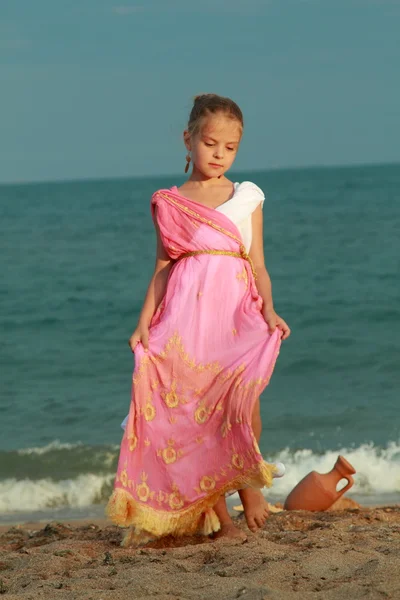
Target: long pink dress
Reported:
[(188, 437)]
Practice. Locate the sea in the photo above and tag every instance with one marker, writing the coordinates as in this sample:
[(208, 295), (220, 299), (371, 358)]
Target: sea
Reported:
[(76, 259)]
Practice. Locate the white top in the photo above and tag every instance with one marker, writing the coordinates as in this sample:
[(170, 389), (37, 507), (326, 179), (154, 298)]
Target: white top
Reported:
[(246, 197)]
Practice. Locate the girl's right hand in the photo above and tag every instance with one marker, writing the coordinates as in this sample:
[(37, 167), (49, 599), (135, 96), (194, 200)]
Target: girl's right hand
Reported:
[(141, 334)]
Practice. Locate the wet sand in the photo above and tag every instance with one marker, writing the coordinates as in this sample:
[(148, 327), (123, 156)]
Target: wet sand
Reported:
[(344, 554)]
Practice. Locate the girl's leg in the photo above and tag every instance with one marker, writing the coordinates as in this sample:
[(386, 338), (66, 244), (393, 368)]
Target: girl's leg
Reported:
[(254, 504), (228, 529)]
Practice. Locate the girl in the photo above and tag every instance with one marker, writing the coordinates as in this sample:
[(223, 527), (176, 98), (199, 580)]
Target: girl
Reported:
[(205, 347)]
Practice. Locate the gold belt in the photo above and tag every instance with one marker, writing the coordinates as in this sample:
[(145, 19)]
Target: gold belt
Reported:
[(242, 254)]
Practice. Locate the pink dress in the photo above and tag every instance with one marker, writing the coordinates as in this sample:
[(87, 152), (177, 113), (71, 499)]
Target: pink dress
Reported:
[(188, 436)]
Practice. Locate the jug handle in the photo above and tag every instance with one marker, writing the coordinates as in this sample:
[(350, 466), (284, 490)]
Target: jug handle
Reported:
[(350, 482)]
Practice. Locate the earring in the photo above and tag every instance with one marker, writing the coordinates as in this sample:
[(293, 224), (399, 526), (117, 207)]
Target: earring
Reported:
[(188, 159)]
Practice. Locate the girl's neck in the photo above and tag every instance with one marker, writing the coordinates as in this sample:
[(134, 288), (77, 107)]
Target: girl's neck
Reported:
[(201, 181)]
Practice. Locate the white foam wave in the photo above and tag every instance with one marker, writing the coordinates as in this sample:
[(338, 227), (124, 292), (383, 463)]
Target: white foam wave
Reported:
[(55, 445), (377, 469), (28, 495)]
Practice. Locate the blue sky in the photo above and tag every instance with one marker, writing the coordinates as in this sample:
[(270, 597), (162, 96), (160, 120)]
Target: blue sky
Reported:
[(96, 88)]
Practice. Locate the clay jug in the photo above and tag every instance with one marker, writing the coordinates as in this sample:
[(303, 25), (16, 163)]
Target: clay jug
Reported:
[(317, 491)]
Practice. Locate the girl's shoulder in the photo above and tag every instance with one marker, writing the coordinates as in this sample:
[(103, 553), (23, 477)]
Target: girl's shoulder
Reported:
[(251, 190), (158, 195)]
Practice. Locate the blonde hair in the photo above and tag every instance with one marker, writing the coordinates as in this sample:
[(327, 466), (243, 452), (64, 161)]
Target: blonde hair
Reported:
[(205, 104)]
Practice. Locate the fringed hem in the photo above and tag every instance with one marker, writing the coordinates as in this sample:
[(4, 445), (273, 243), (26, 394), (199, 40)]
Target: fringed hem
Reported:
[(125, 511)]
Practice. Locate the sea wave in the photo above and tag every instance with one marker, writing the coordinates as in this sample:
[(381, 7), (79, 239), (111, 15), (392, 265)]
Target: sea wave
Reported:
[(55, 445), (378, 475), (27, 495), (377, 469), (58, 461)]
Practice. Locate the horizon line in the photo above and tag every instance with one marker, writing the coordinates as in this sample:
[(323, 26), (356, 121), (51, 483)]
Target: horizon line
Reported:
[(92, 179)]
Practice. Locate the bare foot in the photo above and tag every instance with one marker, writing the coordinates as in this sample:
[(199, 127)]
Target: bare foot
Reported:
[(255, 508), (229, 530)]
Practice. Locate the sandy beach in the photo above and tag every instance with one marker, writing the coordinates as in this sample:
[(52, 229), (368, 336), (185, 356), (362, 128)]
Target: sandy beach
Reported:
[(346, 553)]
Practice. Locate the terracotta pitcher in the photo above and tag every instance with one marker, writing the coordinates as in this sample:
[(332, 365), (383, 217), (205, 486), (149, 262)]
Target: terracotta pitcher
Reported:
[(317, 491)]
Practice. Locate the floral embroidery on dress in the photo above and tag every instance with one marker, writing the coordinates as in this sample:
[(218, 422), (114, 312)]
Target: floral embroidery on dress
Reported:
[(161, 497), (132, 441), (174, 342), (175, 499), (170, 454), (237, 461), (202, 413), (225, 428), (149, 411), (171, 398), (142, 489), (207, 483), (123, 477), (243, 275)]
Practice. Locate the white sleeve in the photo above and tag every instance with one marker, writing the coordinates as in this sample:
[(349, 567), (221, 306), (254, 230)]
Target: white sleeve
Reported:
[(244, 202), (254, 192)]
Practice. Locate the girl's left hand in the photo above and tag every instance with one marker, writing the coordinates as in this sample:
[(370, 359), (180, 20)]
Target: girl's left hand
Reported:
[(273, 320)]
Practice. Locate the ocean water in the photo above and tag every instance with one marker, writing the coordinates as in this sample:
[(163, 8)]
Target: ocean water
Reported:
[(76, 258)]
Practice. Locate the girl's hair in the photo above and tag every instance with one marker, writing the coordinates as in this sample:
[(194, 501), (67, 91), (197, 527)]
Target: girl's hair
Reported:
[(206, 104)]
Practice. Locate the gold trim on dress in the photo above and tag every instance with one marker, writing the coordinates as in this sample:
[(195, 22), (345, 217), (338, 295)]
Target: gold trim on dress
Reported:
[(175, 342), (125, 511), (243, 253)]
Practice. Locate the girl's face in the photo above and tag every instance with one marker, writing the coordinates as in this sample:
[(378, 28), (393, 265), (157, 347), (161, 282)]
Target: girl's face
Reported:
[(215, 145)]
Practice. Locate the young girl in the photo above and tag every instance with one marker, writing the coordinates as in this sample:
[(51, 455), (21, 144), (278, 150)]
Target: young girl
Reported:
[(205, 347)]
